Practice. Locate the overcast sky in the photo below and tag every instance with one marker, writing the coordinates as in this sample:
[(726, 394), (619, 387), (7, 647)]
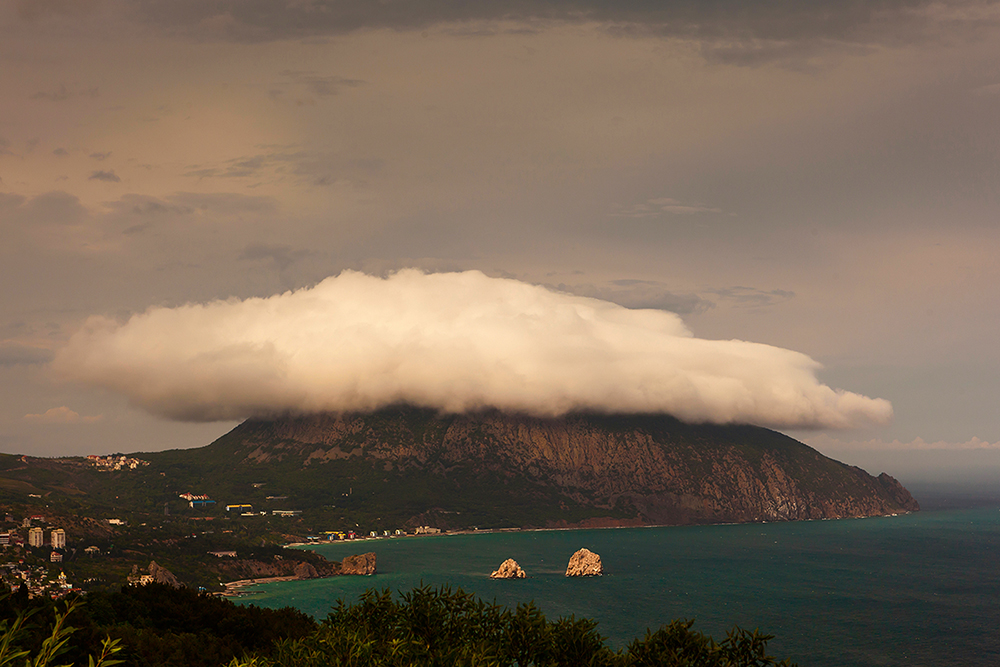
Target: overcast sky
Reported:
[(821, 177)]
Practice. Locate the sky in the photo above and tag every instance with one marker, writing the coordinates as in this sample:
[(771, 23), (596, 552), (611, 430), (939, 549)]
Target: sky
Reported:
[(819, 180)]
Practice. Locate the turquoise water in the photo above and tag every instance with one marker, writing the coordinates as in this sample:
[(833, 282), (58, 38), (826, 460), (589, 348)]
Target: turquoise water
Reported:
[(920, 589)]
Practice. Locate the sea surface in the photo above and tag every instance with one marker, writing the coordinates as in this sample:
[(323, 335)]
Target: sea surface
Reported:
[(917, 589)]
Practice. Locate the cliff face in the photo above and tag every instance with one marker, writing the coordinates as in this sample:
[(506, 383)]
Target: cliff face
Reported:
[(638, 469), (245, 568), (248, 568)]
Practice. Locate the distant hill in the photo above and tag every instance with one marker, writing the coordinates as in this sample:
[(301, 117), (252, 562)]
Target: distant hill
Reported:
[(412, 467), (404, 467)]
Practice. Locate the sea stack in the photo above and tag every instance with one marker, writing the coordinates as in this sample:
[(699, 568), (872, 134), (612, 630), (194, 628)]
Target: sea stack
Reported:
[(361, 564), (584, 563), (509, 569)]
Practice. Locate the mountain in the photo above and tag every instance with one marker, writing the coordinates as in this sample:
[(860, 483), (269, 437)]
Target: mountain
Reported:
[(407, 467)]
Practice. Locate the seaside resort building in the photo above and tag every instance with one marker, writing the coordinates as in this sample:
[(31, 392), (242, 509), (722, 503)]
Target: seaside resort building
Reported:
[(58, 538)]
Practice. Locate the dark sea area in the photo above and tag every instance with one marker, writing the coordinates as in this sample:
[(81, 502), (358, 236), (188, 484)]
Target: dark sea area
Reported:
[(917, 589)]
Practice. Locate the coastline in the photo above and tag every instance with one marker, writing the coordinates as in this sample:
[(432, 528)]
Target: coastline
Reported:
[(832, 573), (488, 531), (234, 588)]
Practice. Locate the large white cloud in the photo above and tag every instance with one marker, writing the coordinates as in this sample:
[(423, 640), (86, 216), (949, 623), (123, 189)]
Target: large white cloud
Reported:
[(450, 341)]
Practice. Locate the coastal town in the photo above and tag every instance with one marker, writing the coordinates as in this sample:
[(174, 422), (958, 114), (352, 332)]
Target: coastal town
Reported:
[(50, 548), (33, 553), (36, 553), (114, 462)]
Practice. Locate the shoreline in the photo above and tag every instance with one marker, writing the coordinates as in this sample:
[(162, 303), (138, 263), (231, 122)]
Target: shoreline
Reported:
[(489, 531), (235, 588)]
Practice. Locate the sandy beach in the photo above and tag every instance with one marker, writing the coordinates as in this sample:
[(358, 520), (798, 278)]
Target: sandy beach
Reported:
[(233, 588)]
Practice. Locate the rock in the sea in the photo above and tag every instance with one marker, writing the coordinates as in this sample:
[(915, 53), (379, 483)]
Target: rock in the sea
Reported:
[(584, 563), (363, 564), (509, 569)]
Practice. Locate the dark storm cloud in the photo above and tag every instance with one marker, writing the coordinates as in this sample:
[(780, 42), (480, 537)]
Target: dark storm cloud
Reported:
[(12, 354), (102, 175), (730, 29)]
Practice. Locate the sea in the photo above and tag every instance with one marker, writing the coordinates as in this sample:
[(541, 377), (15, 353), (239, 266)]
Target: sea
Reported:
[(918, 589)]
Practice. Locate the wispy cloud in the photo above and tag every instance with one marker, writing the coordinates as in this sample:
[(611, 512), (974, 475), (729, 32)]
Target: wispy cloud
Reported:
[(62, 415), (308, 167), (101, 175), (752, 297), (662, 206), (728, 30), (12, 353), (634, 293), (825, 443), (64, 92), (277, 255), (316, 84)]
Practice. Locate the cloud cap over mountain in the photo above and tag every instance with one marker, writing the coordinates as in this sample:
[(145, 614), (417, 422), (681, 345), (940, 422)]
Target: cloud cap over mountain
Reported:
[(450, 341)]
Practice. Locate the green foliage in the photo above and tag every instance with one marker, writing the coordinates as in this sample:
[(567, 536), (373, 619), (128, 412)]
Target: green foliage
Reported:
[(14, 636), (163, 626), (428, 626), (147, 626), (158, 626), (677, 645)]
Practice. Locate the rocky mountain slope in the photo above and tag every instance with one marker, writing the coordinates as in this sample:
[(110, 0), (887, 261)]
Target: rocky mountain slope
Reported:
[(492, 468)]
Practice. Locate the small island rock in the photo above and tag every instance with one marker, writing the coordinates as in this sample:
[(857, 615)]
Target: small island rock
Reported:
[(584, 563), (509, 569), (361, 564)]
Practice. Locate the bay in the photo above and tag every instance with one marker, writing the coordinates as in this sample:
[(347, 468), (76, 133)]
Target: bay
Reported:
[(917, 589)]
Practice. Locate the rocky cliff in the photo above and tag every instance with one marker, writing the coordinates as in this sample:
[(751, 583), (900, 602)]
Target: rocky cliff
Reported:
[(162, 575), (249, 568), (581, 469), (361, 565)]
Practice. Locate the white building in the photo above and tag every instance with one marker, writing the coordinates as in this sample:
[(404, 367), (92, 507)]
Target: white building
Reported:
[(58, 538), (36, 537)]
